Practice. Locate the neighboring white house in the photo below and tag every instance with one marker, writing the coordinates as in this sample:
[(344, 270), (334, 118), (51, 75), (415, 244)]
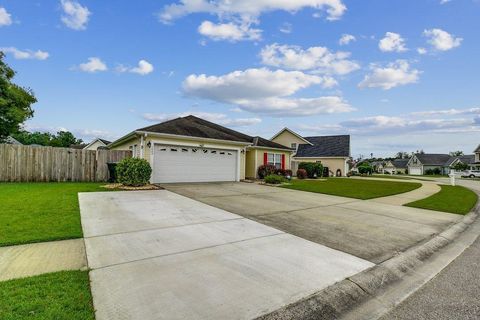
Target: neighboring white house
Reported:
[(419, 163), (95, 144)]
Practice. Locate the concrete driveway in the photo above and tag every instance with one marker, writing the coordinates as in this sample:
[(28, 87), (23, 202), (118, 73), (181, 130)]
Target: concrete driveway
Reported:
[(160, 255), (371, 230)]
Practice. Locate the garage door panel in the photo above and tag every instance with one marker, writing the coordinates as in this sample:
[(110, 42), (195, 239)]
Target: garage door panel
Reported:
[(193, 164), (415, 171)]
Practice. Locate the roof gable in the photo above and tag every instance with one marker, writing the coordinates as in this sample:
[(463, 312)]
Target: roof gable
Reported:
[(325, 146), (261, 142), (296, 135)]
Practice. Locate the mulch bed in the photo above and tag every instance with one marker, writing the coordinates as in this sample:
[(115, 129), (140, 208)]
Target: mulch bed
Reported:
[(131, 188)]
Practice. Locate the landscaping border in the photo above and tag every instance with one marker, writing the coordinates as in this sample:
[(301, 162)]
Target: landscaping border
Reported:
[(350, 293)]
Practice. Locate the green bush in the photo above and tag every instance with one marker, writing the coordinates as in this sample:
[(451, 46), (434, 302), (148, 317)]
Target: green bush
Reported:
[(365, 168), (314, 169), (133, 172), (266, 170), (429, 172), (274, 179)]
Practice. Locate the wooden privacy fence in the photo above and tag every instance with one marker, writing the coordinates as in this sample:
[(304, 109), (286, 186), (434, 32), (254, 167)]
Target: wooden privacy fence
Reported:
[(20, 163)]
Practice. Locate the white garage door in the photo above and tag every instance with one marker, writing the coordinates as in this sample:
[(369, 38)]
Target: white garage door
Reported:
[(416, 171), (193, 164)]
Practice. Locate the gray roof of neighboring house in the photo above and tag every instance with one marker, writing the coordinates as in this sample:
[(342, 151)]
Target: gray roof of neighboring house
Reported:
[(436, 159), (400, 163), (105, 141), (478, 149), (12, 140), (195, 127), (261, 142), (325, 146), (467, 159)]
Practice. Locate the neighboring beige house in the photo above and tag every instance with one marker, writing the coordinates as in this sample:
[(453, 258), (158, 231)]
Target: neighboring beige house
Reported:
[(332, 151), (476, 164), (419, 163), (396, 166), (95, 144), (190, 149)]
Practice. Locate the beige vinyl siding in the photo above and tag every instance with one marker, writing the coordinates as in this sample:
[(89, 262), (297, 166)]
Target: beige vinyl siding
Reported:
[(257, 153), (95, 145), (286, 139)]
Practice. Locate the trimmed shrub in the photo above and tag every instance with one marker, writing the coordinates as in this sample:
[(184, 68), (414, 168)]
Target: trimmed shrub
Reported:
[(313, 169), (437, 171), (274, 179), (288, 173), (429, 172), (266, 170), (280, 172), (133, 172), (301, 173)]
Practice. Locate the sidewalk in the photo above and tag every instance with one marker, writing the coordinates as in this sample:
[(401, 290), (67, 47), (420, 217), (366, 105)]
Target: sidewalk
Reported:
[(37, 258)]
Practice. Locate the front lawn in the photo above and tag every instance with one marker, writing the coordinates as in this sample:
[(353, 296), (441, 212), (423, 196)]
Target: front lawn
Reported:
[(353, 188), (35, 212), (59, 295), (451, 199)]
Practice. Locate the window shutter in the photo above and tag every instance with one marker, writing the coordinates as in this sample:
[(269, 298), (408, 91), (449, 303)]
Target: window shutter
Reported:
[(265, 158), (283, 161)]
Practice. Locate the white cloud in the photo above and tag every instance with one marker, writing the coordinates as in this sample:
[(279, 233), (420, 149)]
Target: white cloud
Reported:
[(442, 40), (144, 67), (248, 8), (286, 28), (392, 42), (265, 91), (448, 112), (346, 39), (229, 31), (5, 17), (444, 1), (318, 59), (422, 51), (93, 65), (218, 118), (393, 75), (26, 54), (75, 15), (397, 125)]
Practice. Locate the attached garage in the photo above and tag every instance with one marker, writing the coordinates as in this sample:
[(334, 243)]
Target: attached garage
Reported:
[(416, 171), (172, 163)]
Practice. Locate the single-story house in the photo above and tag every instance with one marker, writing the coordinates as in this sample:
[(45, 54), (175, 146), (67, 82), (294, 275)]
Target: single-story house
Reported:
[(476, 163), (396, 166), (190, 149), (332, 151), (97, 143), (419, 163), (378, 166)]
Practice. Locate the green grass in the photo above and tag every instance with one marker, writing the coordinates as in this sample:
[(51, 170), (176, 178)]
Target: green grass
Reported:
[(353, 188), (459, 200), (59, 295), (35, 212)]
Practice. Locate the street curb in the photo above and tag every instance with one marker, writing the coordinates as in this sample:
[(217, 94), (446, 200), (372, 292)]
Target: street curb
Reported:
[(341, 297)]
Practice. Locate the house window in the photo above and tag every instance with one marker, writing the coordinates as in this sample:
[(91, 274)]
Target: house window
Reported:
[(134, 150), (275, 159), (294, 146)]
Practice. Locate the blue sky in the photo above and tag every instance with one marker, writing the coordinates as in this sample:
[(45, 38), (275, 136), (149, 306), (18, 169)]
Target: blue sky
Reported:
[(404, 77)]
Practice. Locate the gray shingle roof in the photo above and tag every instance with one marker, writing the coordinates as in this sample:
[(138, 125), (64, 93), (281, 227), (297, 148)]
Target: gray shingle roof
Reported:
[(325, 146), (467, 159), (436, 159), (400, 163), (12, 140), (105, 141), (195, 127), (261, 142), (478, 149)]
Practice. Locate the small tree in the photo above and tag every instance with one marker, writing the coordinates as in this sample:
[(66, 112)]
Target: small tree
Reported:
[(15, 102), (313, 169), (457, 153), (365, 168), (460, 166)]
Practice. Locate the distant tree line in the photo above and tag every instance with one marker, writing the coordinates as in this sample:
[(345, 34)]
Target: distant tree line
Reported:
[(62, 139)]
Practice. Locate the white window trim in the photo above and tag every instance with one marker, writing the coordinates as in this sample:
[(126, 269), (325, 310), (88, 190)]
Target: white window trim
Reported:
[(274, 157)]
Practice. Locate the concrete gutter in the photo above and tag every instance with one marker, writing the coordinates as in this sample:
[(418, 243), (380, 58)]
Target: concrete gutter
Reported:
[(375, 291)]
